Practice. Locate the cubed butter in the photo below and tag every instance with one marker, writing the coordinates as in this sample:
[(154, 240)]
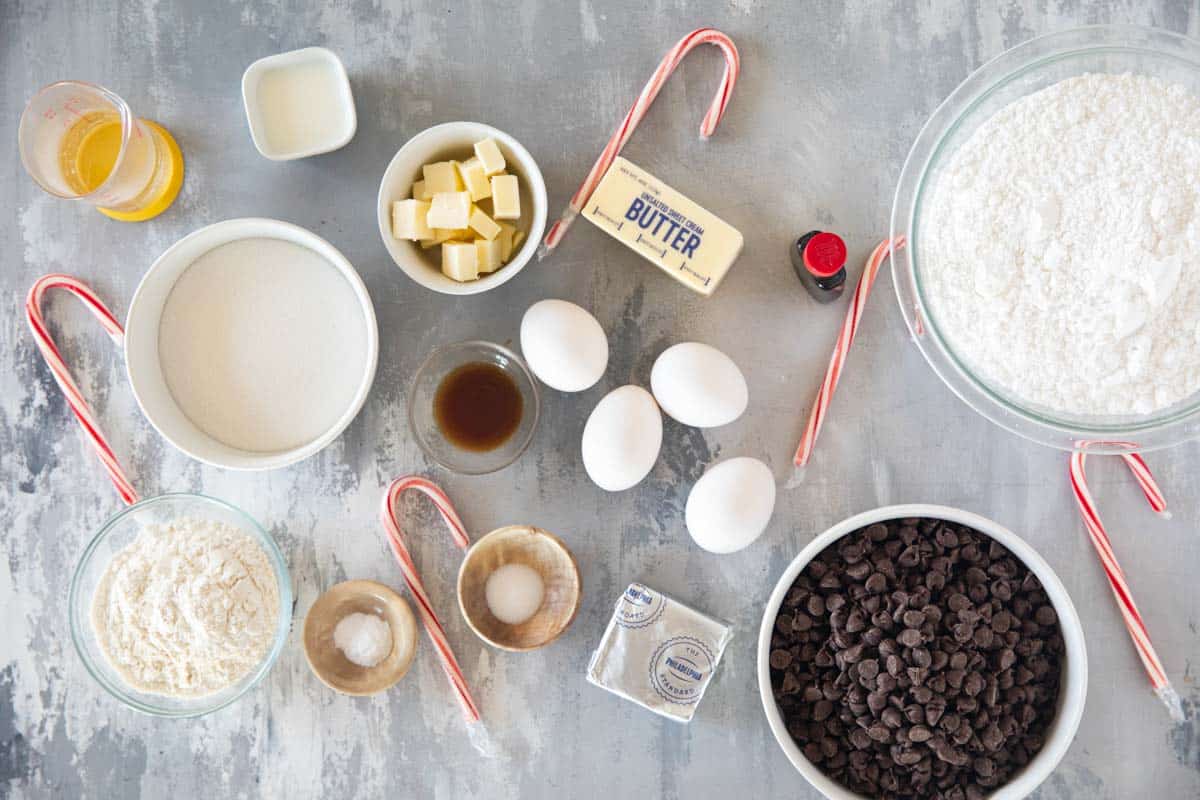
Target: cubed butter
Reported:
[(449, 210), (475, 180), (518, 237), (487, 252), (447, 235), (441, 177), (419, 192), (506, 197), (482, 224), (489, 155), (409, 220), (507, 232), (669, 230), (460, 261)]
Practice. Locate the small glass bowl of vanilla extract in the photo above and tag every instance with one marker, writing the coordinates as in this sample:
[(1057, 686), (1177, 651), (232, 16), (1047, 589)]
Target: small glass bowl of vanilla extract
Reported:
[(473, 407)]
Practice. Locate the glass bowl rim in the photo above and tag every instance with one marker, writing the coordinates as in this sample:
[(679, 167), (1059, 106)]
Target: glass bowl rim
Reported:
[(283, 627), (1042, 426), (477, 344)]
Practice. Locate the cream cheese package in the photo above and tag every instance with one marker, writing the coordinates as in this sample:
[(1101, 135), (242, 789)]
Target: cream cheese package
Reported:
[(658, 653), (684, 240)]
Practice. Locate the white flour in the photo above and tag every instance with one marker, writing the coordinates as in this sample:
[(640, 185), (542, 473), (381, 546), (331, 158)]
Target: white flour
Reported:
[(262, 344), (187, 608), (1061, 250)]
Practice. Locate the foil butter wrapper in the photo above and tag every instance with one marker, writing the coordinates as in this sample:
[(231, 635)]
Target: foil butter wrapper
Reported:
[(658, 653)]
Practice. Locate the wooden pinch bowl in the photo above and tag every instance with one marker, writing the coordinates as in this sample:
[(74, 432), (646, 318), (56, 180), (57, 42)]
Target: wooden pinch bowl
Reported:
[(330, 665), (535, 548)]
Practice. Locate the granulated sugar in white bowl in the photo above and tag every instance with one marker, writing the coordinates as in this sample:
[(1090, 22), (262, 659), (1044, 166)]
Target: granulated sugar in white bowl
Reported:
[(1061, 248), (251, 344)]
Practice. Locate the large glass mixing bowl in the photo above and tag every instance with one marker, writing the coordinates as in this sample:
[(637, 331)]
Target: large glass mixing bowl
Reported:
[(1022, 70)]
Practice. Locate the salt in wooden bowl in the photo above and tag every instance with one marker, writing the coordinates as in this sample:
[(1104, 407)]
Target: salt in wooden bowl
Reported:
[(549, 557)]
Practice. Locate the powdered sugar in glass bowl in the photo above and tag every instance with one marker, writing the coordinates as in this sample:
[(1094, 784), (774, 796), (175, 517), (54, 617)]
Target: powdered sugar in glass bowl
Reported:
[(1028, 68)]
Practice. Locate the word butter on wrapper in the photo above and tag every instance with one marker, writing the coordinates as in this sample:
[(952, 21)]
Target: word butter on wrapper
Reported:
[(658, 653), (683, 239)]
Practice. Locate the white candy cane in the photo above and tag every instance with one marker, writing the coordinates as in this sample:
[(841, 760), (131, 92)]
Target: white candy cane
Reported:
[(62, 375), (621, 135)]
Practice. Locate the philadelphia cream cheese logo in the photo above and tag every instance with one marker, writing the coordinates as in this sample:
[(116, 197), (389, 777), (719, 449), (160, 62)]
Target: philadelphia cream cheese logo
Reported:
[(639, 607), (680, 669)]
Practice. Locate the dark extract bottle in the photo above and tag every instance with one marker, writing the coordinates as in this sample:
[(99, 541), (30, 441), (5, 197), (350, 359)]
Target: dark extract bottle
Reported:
[(819, 258)]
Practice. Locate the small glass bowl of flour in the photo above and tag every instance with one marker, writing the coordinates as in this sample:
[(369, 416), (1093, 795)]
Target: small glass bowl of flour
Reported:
[(164, 575), (1050, 275)]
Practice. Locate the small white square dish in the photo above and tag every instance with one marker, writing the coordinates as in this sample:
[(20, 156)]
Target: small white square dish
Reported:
[(299, 104)]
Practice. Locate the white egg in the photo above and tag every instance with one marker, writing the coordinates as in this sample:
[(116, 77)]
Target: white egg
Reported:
[(731, 504), (622, 438), (564, 345), (698, 385)]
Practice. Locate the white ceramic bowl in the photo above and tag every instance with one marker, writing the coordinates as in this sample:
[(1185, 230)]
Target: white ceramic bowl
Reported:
[(141, 343), (454, 140), (305, 58), (1072, 689)]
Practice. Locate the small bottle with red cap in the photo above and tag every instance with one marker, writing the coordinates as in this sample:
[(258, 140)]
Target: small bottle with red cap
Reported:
[(819, 258)]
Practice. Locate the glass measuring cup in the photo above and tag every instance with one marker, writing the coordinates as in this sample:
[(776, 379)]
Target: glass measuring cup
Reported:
[(82, 142)]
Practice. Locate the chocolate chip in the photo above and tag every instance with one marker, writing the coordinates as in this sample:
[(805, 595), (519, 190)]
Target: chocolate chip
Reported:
[(780, 659), (909, 637), (1046, 616), (983, 637), (920, 657), (801, 622), (879, 733), (920, 733), (877, 583)]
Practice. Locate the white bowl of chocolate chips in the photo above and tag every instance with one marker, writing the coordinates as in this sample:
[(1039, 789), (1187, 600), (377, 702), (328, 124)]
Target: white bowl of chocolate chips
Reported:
[(921, 651)]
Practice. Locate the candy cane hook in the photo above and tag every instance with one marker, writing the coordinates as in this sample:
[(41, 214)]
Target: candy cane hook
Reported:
[(841, 350), (650, 91), (62, 375), (433, 626), (1116, 576)]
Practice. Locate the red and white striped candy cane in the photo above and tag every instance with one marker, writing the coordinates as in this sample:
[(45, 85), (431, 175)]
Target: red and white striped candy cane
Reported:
[(1145, 479), (840, 350), (621, 135), (433, 626), (1116, 576), (62, 375)]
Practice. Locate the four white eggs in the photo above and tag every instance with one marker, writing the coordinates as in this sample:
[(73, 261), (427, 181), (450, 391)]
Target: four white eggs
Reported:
[(693, 383)]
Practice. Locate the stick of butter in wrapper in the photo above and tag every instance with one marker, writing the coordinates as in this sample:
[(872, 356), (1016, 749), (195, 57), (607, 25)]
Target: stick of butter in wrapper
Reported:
[(658, 653), (681, 238)]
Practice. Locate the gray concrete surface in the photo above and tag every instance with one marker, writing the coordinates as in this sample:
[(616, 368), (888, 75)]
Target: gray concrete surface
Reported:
[(831, 97)]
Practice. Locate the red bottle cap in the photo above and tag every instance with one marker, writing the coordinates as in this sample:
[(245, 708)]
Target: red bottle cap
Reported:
[(825, 254)]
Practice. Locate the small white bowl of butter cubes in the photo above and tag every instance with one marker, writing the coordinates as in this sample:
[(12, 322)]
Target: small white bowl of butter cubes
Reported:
[(462, 207)]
